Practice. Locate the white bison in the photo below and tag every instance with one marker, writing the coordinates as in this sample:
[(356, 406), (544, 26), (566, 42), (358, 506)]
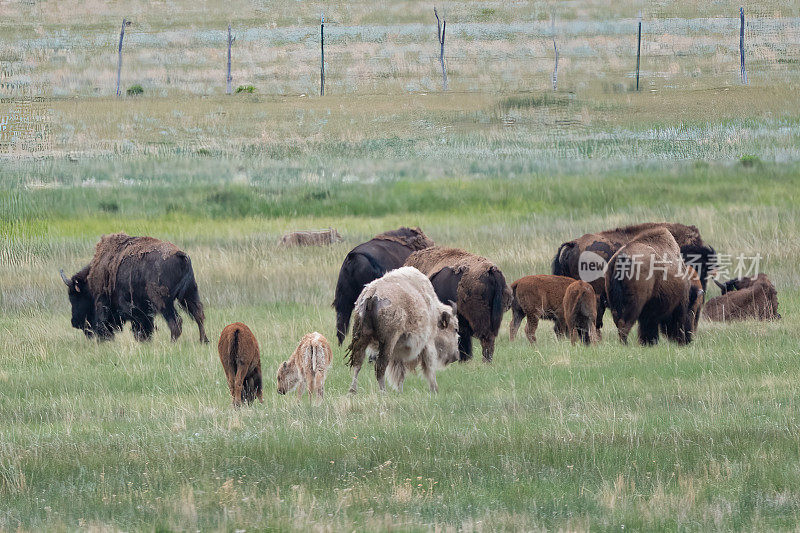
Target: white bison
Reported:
[(399, 317)]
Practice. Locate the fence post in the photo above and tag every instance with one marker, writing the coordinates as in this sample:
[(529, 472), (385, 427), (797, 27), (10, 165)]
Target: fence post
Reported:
[(229, 78), (322, 55), (638, 50), (555, 48), (741, 44), (119, 56), (441, 27)]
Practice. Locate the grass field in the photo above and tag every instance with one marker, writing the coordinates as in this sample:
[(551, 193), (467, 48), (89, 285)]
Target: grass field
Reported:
[(129, 436)]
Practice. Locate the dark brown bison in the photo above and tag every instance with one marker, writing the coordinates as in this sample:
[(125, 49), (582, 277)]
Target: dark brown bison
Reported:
[(570, 255), (739, 283), (478, 288), (538, 297), (580, 312), (132, 279), (646, 281), (369, 261), (757, 300), (241, 361)]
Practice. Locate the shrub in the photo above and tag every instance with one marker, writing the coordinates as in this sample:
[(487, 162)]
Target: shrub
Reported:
[(135, 90), (749, 160), (249, 89)]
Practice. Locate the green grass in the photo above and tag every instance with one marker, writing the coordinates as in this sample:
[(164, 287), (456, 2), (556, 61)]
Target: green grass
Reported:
[(128, 436), (140, 436)]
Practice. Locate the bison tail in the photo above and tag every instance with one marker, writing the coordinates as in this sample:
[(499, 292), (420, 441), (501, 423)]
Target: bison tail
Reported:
[(187, 283), (498, 285), (362, 334), (558, 267)]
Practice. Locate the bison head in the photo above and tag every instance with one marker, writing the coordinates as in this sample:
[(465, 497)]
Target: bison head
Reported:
[(81, 300), (447, 334)]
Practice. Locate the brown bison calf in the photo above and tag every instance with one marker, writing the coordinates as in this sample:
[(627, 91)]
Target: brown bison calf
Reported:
[(241, 360), (757, 300), (538, 297), (580, 312), (307, 367)]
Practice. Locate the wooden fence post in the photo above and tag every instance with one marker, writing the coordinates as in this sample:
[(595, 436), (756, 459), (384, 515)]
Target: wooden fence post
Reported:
[(322, 55), (229, 78), (555, 48), (441, 27), (638, 50), (741, 44), (119, 56)]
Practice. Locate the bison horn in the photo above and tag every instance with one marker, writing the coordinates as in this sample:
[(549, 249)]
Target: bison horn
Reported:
[(720, 285), (65, 278)]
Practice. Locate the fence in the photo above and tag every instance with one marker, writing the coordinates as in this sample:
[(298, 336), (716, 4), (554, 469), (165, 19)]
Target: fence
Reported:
[(402, 58)]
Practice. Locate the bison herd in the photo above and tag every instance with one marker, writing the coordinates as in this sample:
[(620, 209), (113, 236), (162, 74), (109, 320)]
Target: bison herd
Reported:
[(415, 304)]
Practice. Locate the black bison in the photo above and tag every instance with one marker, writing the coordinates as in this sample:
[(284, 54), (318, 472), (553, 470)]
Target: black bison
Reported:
[(755, 299), (369, 261), (241, 361), (647, 281), (478, 288), (567, 261), (132, 279)]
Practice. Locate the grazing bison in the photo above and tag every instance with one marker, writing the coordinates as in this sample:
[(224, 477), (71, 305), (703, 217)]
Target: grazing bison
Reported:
[(476, 285), (570, 255), (758, 300), (580, 312), (307, 367), (241, 360), (369, 261), (538, 297), (646, 281), (132, 279), (400, 317), (311, 238)]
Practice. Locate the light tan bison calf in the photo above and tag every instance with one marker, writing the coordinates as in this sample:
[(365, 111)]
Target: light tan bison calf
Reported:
[(580, 313), (399, 318), (241, 360), (307, 367), (538, 297)]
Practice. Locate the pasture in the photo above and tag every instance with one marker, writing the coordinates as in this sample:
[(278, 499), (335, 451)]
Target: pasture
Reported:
[(128, 436)]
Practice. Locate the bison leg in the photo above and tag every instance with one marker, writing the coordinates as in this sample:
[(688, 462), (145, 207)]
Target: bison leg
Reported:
[(487, 343), (517, 315), (142, 327), (601, 309), (648, 331), (238, 385), (354, 384), (174, 321), (427, 358), (380, 369), (464, 339), (560, 327), (530, 327), (301, 388), (191, 302), (624, 328)]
